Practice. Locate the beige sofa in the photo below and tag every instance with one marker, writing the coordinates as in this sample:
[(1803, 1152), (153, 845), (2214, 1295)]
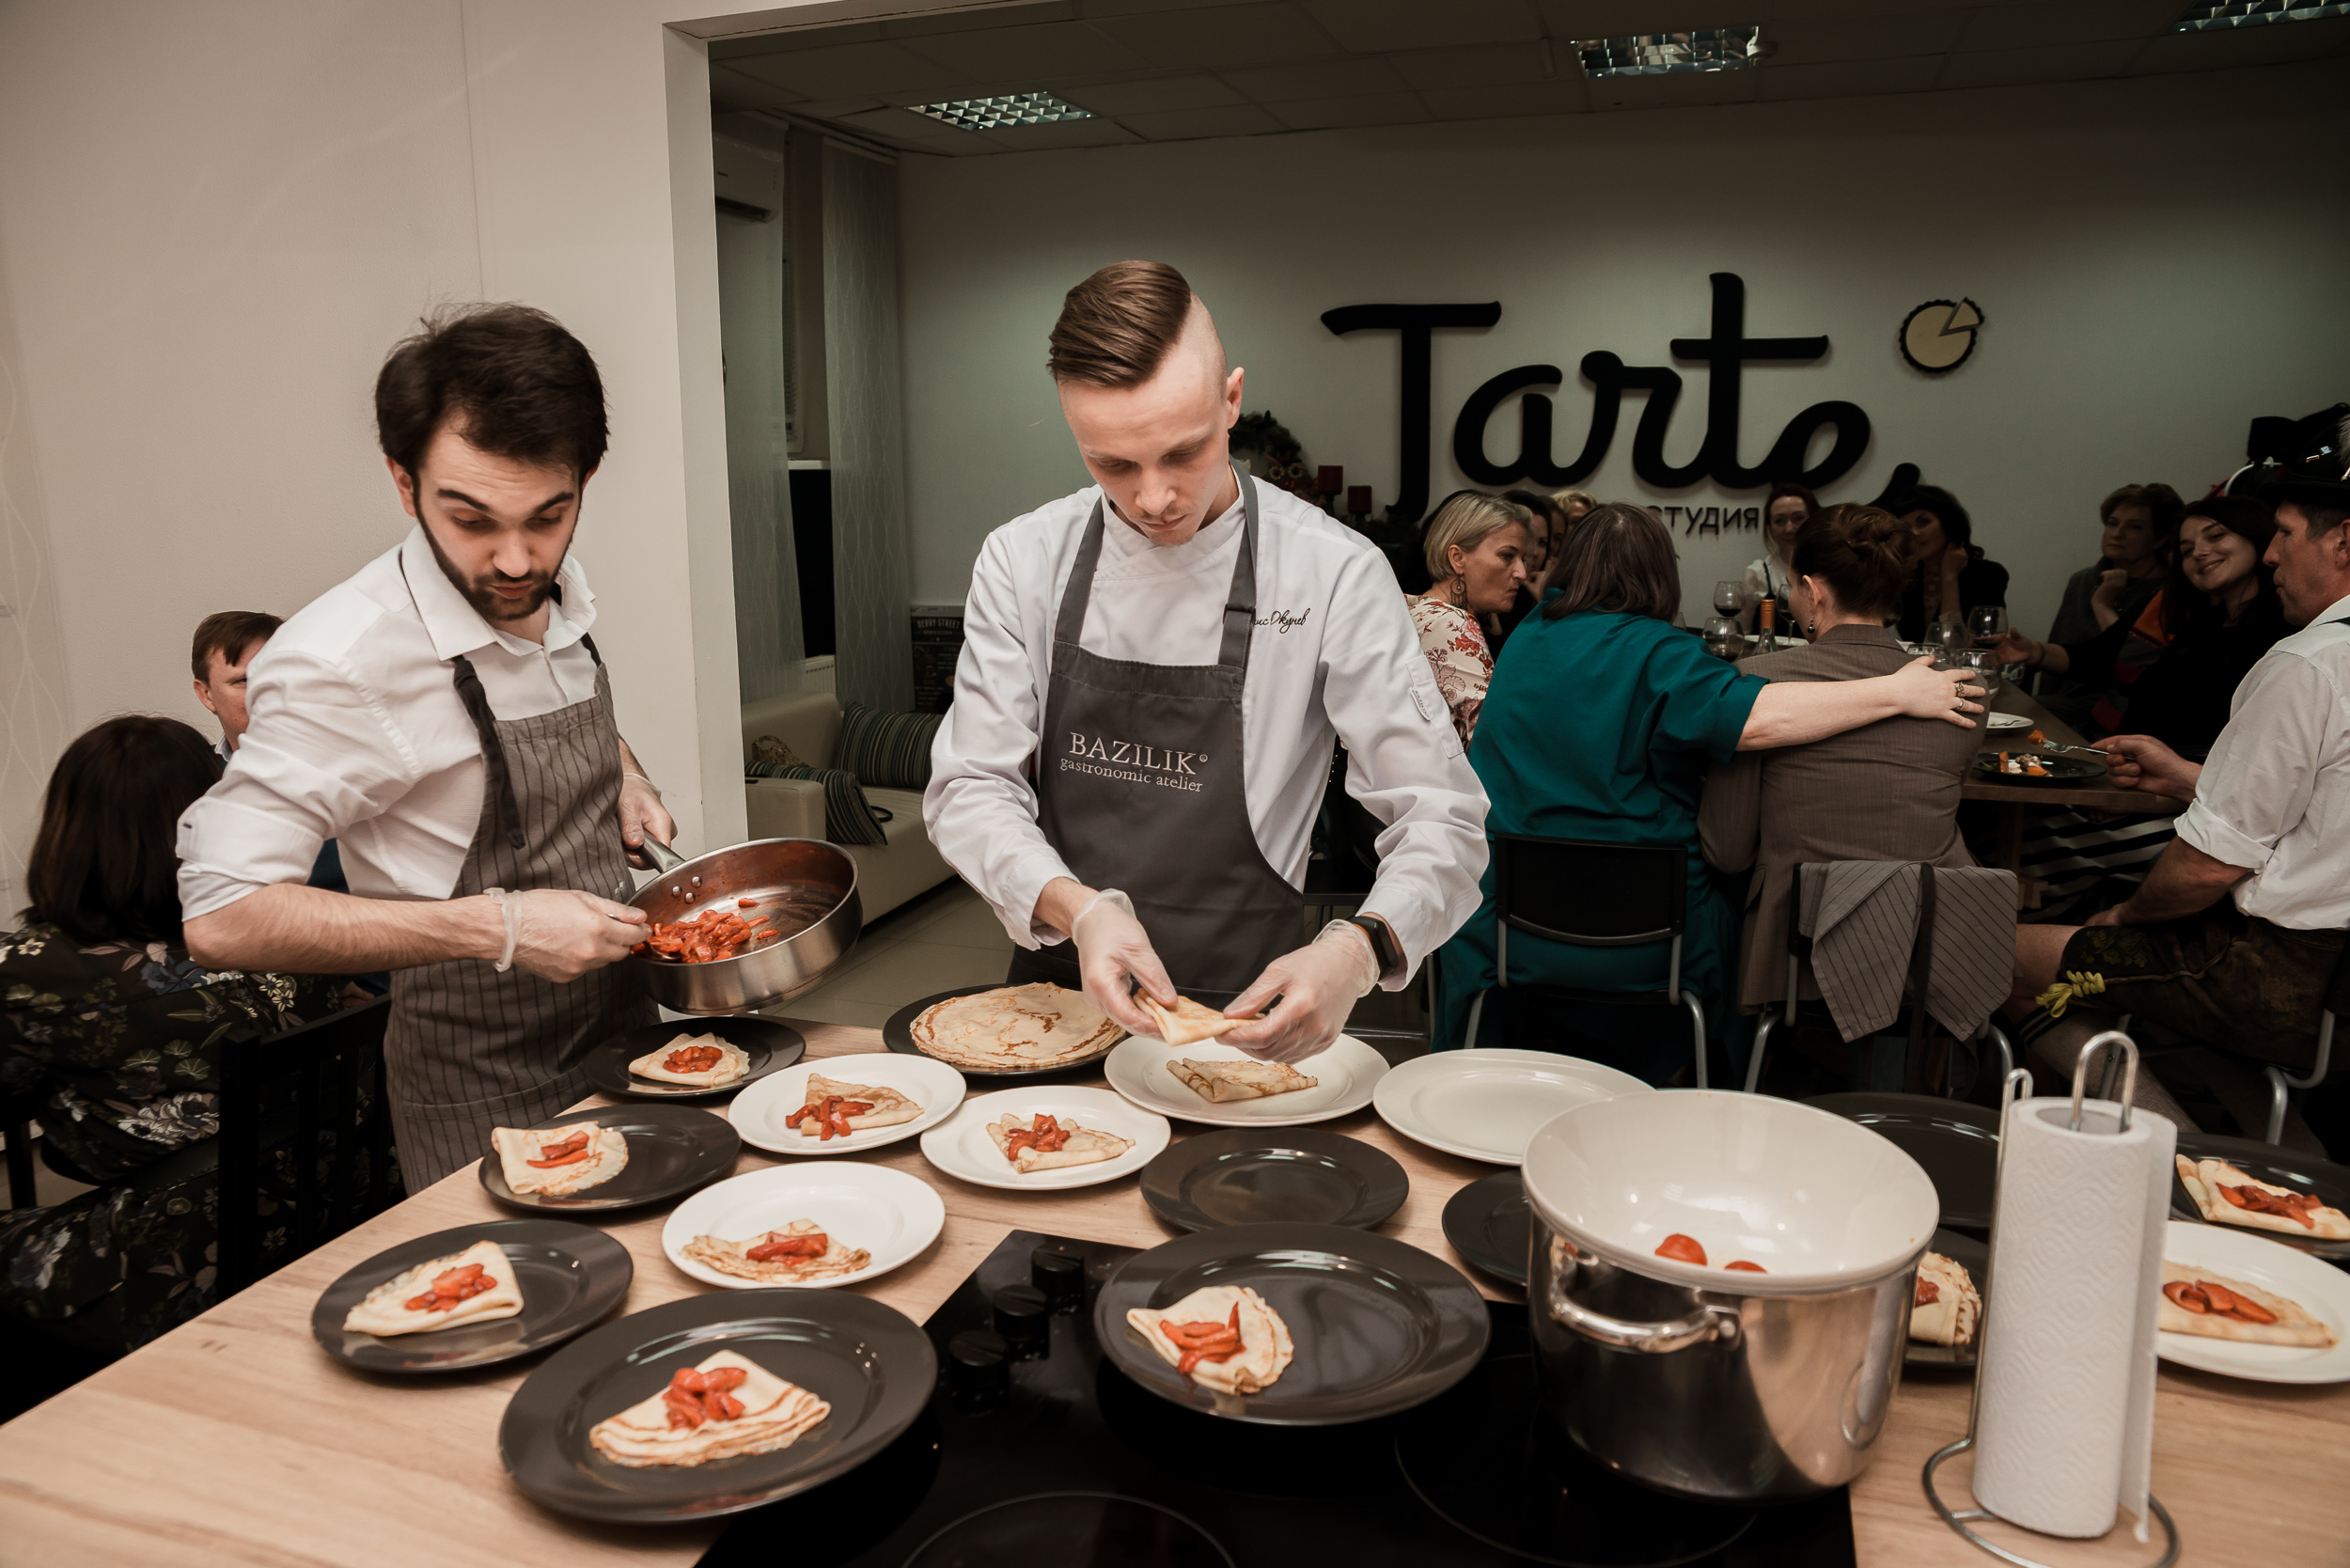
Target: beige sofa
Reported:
[(887, 874)]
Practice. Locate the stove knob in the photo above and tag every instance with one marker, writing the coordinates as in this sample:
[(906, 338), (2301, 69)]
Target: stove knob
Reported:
[(978, 1374), (1061, 1275), (1022, 1317)]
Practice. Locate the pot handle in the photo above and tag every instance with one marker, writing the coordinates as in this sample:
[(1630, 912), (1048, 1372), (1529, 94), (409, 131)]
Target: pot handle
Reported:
[(1711, 1321), (662, 855)]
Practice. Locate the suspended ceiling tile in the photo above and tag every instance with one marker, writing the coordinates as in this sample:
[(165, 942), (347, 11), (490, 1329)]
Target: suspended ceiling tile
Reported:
[(834, 108), (1090, 8), (1316, 79), (1329, 114), (1220, 36), (1054, 49), (1871, 37), (986, 16), (1817, 10), (2067, 62), (731, 90), (2273, 44), (1151, 94), (1680, 90), (1371, 26), (850, 69), (1846, 78), (1186, 125), (1508, 100), (1607, 18), (1064, 133), (903, 125), (797, 38), (2055, 21), (1483, 65)]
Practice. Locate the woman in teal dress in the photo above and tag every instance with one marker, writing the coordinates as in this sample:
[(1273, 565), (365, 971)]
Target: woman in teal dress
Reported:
[(1600, 724)]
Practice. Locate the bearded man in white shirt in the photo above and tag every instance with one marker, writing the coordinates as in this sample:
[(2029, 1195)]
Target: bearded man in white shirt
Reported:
[(1152, 673), (2233, 938), (446, 716)]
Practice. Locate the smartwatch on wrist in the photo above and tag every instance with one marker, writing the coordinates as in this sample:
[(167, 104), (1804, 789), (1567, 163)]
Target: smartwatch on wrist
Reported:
[(1384, 947)]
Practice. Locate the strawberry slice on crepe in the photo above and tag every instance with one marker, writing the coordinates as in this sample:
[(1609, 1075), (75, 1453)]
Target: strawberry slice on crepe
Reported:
[(472, 1286), (727, 1405), (2227, 1195), (559, 1161), (2197, 1301), (692, 1062), (798, 1254), (1222, 1337), (835, 1110)]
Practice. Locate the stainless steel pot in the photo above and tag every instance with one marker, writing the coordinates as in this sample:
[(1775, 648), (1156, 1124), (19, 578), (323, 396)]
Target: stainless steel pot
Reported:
[(1725, 1385), (807, 887)]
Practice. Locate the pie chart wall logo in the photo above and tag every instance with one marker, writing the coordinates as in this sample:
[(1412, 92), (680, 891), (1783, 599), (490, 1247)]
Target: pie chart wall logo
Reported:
[(1940, 333)]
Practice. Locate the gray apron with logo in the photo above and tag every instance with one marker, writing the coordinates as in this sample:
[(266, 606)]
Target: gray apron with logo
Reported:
[(467, 1048), (1142, 785)]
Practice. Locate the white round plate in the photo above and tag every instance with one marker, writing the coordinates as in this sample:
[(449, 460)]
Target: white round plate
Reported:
[(890, 1213), (1484, 1104), (2006, 721), (960, 1146), (760, 1112), (1345, 1077), (2320, 1289)]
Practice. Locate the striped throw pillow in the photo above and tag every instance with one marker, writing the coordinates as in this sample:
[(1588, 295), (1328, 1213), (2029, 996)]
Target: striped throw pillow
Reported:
[(849, 818), (888, 751)]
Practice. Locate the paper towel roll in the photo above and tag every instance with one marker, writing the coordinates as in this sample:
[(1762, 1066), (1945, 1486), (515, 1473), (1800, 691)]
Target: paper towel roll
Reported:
[(2064, 1430)]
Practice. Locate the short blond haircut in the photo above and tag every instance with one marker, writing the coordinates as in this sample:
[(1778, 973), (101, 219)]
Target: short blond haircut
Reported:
[(1465, 519), (1569, 500)]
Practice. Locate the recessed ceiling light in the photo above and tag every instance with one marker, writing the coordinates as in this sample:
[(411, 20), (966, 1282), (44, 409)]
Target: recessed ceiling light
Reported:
[(1668, 54), (994, 114), (2252, 13)]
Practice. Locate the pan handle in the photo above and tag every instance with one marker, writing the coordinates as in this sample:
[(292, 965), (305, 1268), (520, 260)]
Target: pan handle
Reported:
[(664, 860)]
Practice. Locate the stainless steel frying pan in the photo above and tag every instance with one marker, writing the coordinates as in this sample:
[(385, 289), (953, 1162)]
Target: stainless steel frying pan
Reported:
[(805, 886)]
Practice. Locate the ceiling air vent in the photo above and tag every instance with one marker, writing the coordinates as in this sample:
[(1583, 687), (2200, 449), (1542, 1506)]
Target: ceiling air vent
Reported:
[(994, 114), (1669, 53)]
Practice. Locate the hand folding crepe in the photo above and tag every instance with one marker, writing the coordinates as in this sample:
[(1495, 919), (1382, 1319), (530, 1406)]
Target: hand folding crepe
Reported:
[(516, 1146), (776, 1414), (385, 1309), (1188, 1023)]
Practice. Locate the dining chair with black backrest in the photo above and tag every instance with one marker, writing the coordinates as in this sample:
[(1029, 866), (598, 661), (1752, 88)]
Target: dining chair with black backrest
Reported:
[(2281, 1083), (1592, 895), (18, 1112), (1816, 1014), (317, 1092)]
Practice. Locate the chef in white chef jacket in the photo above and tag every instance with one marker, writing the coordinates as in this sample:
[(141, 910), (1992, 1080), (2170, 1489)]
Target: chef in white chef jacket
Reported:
[(1152, 673)]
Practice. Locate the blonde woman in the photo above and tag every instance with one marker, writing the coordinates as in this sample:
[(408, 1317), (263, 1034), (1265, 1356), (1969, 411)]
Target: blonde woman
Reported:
[(1574, 505), (1476, 548)]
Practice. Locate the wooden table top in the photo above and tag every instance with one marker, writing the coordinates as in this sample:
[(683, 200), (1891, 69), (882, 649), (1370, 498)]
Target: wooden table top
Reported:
[(233, 1440), (2012, 698)]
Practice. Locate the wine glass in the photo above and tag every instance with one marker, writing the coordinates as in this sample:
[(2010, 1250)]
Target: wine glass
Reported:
[(1729, 596), (1987, 623), (1723, 638)]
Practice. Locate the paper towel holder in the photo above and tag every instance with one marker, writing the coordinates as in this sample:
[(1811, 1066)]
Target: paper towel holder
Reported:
[(2016, 1086)]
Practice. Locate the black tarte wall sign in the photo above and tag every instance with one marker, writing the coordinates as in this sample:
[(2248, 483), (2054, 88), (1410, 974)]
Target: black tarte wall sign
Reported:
[(1939, 335)]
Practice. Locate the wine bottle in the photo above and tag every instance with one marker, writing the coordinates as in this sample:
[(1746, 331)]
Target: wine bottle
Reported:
[(1766, 634)]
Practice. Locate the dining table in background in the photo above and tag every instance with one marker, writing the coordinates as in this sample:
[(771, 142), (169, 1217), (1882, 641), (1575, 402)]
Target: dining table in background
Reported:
[(2014, 800), (235, 1440)]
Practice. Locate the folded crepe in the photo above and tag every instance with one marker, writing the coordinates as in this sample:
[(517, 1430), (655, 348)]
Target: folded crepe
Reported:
[(1082, 1145), (734, 1257), (889, 1107), (1219, 1081), (733, 1062), (1946, 1306), (605, 1153), (1266, 1348), (662, 1430), (408, 1303), (1188, 1023), (2227, 1195), (1037, 1024), (2197, 1301)]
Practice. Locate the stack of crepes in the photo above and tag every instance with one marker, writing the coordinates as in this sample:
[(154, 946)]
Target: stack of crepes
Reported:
[(678, 1426), (1014, 1027), (559, 1161), (472, 1286), (1265, 1346)]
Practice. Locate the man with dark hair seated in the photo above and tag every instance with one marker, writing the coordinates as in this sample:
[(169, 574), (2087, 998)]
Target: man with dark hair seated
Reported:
[(2233, 936), (224, 643)]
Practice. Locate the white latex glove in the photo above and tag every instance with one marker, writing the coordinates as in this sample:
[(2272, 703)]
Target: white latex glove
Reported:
[(561, 934), (1114, 953), (1318, 984)]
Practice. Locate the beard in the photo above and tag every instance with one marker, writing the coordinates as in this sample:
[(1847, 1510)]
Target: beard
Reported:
[(491, 606)]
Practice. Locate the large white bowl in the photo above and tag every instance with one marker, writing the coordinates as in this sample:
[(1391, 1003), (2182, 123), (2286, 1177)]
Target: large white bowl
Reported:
[(1820, 1202)]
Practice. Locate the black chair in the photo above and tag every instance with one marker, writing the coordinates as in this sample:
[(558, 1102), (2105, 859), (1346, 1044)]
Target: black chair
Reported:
[(1589, 895), (2281, 1083), (317, 1094), (18, 1112), (1911, 1018)]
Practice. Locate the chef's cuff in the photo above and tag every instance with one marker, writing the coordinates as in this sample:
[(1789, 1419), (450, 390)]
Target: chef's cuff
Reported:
[(1014, 898)]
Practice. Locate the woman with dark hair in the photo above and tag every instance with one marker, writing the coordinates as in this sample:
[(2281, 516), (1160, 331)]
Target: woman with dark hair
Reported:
[(1949, 576), (106, 1017), (1785, 511), (1601, 725), (1888, 791)]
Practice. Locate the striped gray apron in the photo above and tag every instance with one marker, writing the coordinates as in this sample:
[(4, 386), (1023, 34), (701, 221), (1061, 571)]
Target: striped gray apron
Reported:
[(467, 1048)]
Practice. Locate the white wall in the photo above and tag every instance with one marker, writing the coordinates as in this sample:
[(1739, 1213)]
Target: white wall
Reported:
[(2153, 265)]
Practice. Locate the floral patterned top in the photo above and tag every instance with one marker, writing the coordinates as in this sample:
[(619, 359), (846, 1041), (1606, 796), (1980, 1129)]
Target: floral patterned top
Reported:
[(116, 1039), (1455, 646)]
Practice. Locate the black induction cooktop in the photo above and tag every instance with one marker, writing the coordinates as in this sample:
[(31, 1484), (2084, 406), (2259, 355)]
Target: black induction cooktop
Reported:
[(1038, 1453)]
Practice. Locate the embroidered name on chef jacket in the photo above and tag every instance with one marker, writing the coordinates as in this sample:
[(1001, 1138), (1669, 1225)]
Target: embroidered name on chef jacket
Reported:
[(1133, 761)]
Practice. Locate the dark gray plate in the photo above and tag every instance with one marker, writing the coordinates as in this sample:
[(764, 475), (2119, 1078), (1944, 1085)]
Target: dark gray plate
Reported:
[(1487, 1222), (2282, 1168), (672, 1150), (897, 1034), (2063, 772), (571, 1275), (1250, 1176), (872, 1363), (771, 1047), (1379, 1325), (1958, 1144), (1975, 1258)]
